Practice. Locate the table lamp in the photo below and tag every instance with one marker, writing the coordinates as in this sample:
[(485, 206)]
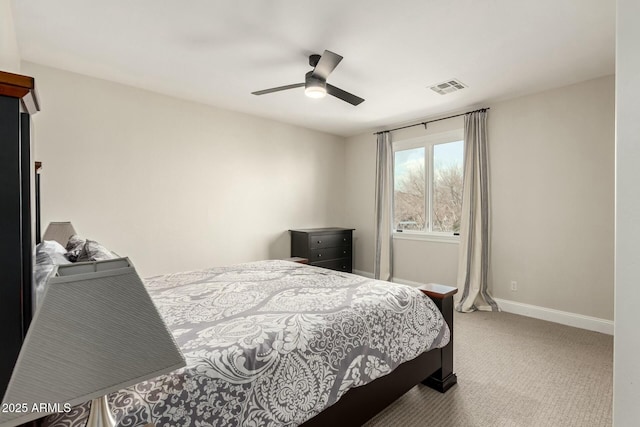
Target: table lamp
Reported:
[(97, 331), (59, 231)]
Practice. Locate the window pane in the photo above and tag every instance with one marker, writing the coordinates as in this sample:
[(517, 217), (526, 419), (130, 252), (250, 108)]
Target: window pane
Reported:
[(409, 186), (447, 186)]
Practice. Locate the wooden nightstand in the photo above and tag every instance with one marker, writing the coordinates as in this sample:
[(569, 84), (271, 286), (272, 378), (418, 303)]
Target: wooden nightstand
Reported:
[(297, 259), (442, 296)]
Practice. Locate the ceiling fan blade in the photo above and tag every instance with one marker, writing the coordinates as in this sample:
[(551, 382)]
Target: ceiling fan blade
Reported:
[(328, 62), (345, 96), (278, 89)]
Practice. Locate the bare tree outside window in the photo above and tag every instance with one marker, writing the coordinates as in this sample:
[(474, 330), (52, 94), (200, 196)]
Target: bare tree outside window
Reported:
[(447, 186), (409, 190), (411, 210)]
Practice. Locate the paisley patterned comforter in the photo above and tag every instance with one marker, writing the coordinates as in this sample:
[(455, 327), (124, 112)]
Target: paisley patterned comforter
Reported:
[(272, 343)]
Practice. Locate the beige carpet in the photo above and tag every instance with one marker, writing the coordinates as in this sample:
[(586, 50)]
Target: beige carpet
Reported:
[(516, 371)]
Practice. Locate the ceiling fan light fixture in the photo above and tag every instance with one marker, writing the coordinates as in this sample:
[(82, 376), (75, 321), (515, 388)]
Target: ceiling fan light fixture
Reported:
[(315, 91), (314, 87)]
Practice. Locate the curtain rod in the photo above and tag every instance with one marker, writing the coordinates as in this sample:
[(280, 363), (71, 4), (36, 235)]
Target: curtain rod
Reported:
[(430, 121)]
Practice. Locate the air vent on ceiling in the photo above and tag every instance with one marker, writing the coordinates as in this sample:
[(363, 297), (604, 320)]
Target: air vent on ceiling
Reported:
[(448, 86)]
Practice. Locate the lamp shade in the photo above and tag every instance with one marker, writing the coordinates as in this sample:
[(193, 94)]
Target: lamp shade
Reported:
[(59, 231), (97, 331)]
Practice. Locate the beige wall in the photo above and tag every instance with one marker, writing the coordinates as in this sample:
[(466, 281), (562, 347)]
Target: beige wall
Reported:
[(552, 191), (174, 184), (9, 54), (552, 169), (626, 374)]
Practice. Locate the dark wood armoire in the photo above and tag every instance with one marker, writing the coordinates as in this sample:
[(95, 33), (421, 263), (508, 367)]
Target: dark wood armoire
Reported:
[(18, 100)]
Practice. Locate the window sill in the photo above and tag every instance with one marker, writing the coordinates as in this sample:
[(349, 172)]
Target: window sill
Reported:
[(427, 237)]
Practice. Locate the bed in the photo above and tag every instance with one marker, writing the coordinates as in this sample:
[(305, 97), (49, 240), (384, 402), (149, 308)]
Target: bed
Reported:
[(273, 343), (347, 391)]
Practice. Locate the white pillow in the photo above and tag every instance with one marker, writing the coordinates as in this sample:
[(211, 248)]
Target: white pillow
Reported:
[(48, 247), (48, 254)]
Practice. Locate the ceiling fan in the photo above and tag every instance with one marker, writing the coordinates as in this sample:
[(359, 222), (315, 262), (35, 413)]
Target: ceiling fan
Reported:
[(315, 82)]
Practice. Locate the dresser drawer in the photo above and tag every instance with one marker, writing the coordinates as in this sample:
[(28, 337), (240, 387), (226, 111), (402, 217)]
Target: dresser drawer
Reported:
[(319, 241), (343, 264), (329, 253)]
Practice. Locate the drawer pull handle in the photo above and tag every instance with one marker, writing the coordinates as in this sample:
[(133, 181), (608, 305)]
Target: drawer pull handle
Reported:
[(344, 240), (319, 241), (344, 252), (319, 255)]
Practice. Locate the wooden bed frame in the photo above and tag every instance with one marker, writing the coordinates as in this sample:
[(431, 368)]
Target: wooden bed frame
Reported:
[(19, 222), (433, 368)]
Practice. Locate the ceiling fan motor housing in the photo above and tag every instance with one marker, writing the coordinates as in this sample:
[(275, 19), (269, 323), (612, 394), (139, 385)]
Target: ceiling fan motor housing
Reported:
[(310, 80)]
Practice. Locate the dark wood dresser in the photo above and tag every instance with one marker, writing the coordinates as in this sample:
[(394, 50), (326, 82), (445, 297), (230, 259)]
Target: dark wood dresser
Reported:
[(324, 247)]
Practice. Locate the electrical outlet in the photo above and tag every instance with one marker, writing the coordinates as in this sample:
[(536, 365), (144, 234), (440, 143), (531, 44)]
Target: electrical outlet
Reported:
[(514, 285)]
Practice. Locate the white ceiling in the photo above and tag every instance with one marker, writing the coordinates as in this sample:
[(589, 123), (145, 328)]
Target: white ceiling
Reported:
[(218, 52)]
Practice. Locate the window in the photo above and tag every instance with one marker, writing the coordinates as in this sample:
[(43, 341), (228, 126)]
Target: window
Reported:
[(427, 183)]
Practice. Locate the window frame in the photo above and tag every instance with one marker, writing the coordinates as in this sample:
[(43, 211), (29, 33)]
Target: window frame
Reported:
[(427, 142)]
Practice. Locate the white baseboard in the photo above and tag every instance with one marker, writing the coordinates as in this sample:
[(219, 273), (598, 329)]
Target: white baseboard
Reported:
[(549, 314), (563, 317)]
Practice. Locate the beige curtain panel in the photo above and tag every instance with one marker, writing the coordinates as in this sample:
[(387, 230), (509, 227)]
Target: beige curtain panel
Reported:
[(383, 263), (473, 259)]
